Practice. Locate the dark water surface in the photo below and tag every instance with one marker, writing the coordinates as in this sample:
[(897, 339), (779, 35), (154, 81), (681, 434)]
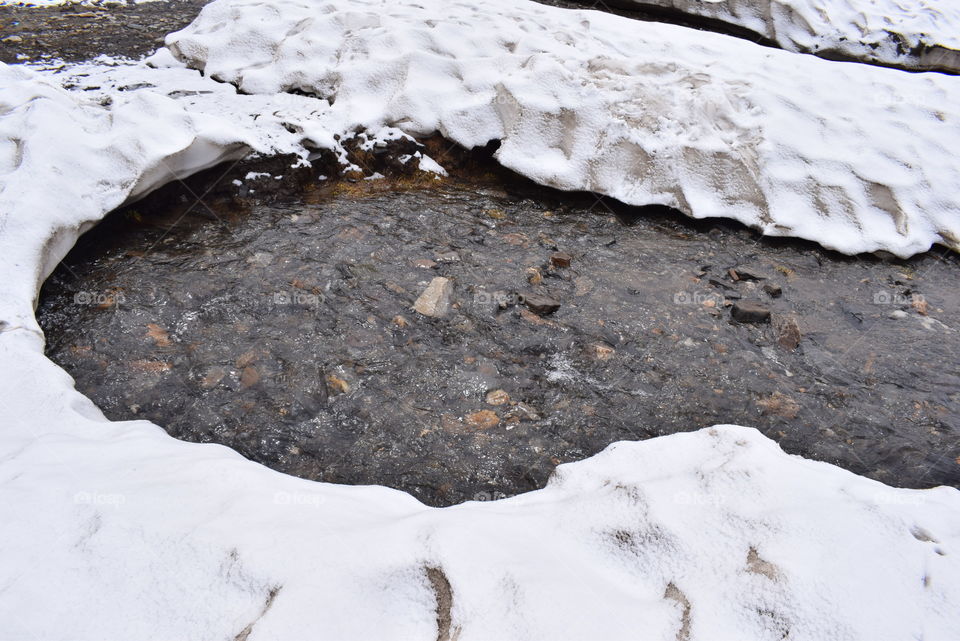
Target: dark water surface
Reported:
[(285, 330)]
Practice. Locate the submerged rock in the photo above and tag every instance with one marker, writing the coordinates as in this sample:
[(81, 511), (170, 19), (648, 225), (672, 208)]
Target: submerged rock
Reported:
[(749, 312), (435, 299)]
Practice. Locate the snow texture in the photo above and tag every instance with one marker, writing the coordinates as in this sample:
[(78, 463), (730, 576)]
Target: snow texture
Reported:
[(915, 35), (114, 530), (855, 157)]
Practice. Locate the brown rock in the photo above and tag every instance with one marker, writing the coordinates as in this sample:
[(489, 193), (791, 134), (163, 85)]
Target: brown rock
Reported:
[(249, 376), (749, 312), (561, 259), (602, 351), (159, 335), (779, 405), (482, 420), (541, 305), (337, 385), (788, 334), (497, 397)]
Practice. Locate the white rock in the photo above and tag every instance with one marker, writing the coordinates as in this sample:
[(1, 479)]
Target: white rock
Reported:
[(435, 299)]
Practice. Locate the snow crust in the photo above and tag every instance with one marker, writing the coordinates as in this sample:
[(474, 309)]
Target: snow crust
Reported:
[(916, 35), (117, 531), (854, 157)]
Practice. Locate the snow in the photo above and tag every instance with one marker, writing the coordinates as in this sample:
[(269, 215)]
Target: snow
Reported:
[(114, 530), (919, 34), (855, 157)]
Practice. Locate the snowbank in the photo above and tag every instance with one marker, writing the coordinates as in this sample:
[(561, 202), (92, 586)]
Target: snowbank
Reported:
[(854, 157), (916, 35), (117, 531)]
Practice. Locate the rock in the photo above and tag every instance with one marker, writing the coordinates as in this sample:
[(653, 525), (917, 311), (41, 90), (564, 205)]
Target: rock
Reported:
[(541, 305), (748, 273), (249, 376), (482, 420), (435, 299), (497, 397), (788, 334), (337, 385), (12, 40), (561, 259), (774, 291), (448, 257), (602, 351), (779, 404), (749, 312), (159, 335)]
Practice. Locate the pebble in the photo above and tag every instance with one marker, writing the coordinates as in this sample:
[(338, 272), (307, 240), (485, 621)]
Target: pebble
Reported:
[(749, 312), (774, 291), (435, 299), (497, 397), (482, 420), (748, 273), (561, 259), (541, 305), (788, 334), (12, 40)]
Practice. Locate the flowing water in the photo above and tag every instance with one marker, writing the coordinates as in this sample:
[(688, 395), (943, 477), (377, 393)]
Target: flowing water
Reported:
[(284, 327)]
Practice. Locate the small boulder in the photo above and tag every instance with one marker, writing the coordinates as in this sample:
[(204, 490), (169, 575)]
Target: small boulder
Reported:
[(561, 259), (749, 312), (541, 305), (435, 299)]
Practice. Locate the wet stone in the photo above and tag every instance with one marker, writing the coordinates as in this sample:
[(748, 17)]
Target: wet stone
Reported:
[(540, 305), (286, 333), (749, 312), (435, 299), (774, 291), (561, 259)]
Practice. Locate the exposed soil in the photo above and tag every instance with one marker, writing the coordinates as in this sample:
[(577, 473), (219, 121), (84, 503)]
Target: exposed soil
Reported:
[(276, 318), (76, 32)]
